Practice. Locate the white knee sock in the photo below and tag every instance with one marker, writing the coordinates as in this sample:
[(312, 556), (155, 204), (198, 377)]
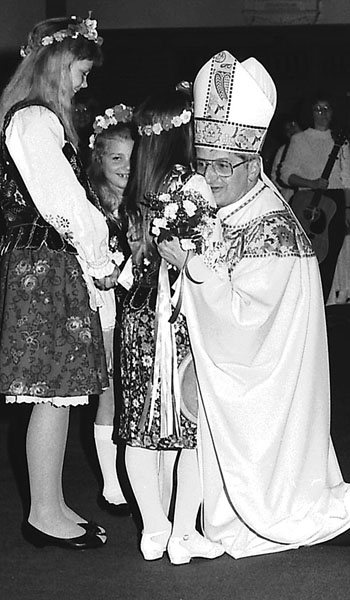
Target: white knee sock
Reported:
[(107, 457), (142, 468)]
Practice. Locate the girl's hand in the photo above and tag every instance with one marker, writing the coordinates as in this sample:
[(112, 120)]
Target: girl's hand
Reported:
[(172, 252), (109, 281)]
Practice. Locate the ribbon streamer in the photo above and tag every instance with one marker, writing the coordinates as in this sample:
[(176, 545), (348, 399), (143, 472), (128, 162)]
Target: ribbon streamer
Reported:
[(164, 378), (178, 305)]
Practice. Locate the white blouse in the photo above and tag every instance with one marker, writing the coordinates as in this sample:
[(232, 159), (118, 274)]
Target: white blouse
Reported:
[(307, 156), (35, 138)]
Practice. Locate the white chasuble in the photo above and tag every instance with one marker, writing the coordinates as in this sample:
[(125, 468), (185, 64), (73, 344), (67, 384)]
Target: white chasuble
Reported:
[(271, 479)]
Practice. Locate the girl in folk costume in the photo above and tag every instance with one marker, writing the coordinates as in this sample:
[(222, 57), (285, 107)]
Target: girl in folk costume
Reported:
[(54, 243), (111, 143), (151, 422), (255, 314)]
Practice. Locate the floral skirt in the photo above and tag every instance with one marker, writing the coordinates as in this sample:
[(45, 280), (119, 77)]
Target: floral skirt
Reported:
[(50, 340), (137, 358)]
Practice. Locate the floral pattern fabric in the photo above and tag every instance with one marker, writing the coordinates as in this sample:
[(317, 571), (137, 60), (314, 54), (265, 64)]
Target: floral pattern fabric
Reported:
[(50, 340), (274, 234), (138, 351), (137, 358)]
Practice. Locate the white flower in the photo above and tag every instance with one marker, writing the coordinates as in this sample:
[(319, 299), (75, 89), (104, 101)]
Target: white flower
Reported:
[(157, 128), (91, 141), (155, 229), (47, 40), (117, 257), (176, 121), (170, 210), (59, 36), (186, 116), (189, 207), (164, 197), (112, 116), (147, 362), (99, 121), (187, 244), (158, 224)]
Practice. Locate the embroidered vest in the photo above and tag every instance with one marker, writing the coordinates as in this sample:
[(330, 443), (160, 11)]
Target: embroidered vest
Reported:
[(21, 225)]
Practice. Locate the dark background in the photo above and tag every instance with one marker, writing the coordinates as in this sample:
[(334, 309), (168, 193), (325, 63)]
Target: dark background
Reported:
[(300, 59)]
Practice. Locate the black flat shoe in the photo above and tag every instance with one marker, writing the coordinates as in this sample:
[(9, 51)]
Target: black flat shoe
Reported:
[(116, 510), (93, 527), (40, 539)]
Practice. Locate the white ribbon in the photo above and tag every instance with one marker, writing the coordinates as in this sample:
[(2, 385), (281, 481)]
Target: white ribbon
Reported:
[(165, 378)]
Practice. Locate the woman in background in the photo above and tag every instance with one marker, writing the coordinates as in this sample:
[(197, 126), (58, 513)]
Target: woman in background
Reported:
[(308, 154)]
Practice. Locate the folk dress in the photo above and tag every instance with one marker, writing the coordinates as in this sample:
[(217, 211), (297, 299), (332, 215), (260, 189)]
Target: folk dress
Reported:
[(138, 427), (54, 241)]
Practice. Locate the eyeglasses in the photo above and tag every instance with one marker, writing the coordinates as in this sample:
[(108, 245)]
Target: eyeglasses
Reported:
[(320, 109), (222, 168)]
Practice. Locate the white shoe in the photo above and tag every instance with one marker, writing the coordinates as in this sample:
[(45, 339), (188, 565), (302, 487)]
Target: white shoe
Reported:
[(151, 548), (181, 550), (115, 498)]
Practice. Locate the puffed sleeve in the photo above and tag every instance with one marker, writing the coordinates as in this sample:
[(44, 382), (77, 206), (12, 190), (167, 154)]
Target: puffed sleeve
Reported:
[(35, 139), (198, 184)]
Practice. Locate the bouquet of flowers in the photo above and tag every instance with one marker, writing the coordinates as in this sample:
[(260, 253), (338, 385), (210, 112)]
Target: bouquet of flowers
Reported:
[(184, 214)]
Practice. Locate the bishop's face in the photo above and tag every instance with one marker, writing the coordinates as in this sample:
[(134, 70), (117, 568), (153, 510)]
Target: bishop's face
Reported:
[(227, 189)]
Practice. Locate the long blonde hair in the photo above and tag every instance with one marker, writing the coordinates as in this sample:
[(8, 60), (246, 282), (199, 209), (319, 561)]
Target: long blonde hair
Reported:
[(43, 75)]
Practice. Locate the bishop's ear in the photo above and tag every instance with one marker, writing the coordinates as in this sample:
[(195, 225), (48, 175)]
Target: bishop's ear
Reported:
[(254, 168)]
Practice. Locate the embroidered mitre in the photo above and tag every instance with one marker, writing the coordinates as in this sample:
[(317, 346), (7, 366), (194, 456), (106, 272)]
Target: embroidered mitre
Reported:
[(233, 104)]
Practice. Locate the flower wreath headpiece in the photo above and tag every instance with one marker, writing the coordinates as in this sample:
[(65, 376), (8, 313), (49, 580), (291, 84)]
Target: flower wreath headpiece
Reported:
[(166, 123), (120, 113), (84, 27)]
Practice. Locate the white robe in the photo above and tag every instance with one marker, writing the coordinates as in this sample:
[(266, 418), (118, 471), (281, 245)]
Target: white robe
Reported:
[(271, 480)]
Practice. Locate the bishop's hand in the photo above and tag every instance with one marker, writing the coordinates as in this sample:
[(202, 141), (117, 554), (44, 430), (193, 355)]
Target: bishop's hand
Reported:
[(172, 252)]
